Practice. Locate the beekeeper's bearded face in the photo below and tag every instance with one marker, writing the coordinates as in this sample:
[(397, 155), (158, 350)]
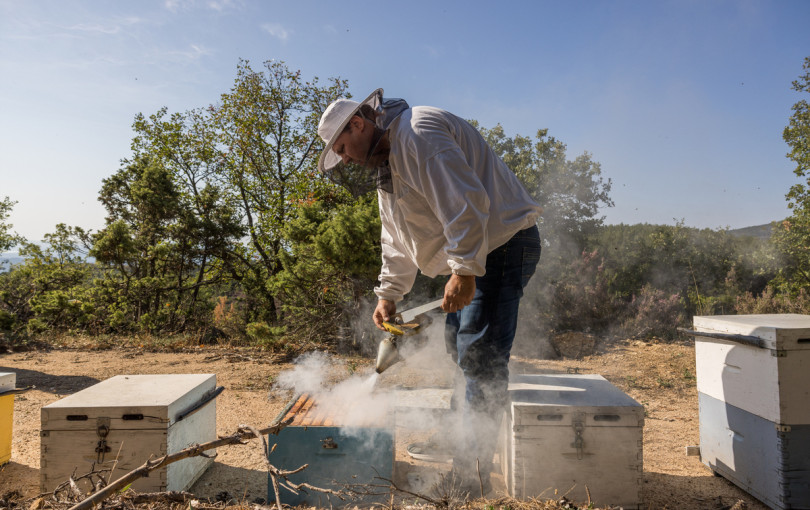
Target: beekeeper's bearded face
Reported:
[(353, 145)]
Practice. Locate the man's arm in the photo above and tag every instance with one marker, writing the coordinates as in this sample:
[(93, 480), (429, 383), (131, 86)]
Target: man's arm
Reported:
[(458, 292), (384, 311), (460, 202), (396, 276)]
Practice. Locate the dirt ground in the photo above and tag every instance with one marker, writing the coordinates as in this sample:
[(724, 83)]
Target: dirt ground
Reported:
[(658, 375)]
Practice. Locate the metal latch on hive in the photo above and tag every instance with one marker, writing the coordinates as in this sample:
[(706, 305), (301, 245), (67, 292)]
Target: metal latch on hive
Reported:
[(102, 431), (579, 442)]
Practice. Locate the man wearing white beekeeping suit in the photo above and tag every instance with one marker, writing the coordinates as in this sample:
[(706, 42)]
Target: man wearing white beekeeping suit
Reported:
[(449, 206)]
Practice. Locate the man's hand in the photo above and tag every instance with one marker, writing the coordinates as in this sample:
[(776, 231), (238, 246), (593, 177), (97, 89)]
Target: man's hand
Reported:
[(384, 311), (458, 292)]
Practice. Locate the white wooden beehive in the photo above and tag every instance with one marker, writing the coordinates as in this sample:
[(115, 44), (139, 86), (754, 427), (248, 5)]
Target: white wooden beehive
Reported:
[(753, 379), (771, 381), (8, 380), (119, 423), (566, 432)]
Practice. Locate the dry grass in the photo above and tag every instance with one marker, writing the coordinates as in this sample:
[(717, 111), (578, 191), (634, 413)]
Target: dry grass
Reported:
[(131, 500), (659, 375)]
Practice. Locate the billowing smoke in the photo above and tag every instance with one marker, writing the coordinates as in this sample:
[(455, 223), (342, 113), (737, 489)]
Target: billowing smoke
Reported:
[(365, 397), (415, 394)]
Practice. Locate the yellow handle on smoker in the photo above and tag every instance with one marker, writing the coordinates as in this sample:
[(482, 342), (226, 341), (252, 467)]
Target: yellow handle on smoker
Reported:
[(393, 328)]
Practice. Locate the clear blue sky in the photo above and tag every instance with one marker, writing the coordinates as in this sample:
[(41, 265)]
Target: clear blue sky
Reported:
[(682, 102)]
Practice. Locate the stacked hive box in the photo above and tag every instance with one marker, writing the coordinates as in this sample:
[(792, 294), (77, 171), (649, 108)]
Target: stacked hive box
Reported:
[(753, 378), (119, 423), (339, 445), (564, 433), (7, 382)]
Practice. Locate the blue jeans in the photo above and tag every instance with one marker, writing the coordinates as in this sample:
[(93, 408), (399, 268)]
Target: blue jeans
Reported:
[(480, 337)]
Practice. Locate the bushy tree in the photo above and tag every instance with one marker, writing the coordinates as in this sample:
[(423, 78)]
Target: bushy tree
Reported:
[(792, 235), (330, 268), (8, 239), (571, 192), (256, 151), (161, 247), (49, 290), (582, 299), (707, 268)]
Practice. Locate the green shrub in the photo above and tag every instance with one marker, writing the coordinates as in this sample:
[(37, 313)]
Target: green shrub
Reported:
[(582, 300), (772, 302), (7, 320), (265, 335), (654, 313)]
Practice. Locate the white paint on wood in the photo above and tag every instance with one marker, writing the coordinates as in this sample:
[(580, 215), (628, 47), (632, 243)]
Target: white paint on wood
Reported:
[(568, 390), (72, 452), (160, 398), (426, 398), (779, 331), (772, 384), (69, 445), (609, 465), (8, 380), (542, 452), (195, 429)]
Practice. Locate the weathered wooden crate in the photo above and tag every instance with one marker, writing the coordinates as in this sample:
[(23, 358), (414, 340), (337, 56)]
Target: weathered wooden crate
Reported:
[(8, 380), (753, 379), (576, 435), (340, 450), (119, 423), (771, 381)]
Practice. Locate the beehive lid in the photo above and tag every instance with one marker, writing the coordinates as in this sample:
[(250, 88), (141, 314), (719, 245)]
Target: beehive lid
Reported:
[(429, 399), (159, 398), (781, 331), (8, 380), (567, 390)]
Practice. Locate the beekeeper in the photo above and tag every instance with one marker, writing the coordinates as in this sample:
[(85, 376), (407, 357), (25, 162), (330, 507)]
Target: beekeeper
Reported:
[(448, 206)]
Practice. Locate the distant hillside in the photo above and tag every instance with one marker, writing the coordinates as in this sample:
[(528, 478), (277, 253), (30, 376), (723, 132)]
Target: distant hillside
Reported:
[(9, 259), (759, 231)]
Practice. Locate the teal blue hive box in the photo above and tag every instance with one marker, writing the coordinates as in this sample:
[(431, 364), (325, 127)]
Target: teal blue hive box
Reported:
[(344, 446)]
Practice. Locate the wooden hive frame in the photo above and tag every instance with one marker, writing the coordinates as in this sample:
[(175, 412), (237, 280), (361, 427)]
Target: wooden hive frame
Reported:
[(305, 411)]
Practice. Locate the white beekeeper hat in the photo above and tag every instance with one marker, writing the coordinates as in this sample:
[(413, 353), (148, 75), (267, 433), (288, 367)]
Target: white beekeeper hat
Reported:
[(334, 120)]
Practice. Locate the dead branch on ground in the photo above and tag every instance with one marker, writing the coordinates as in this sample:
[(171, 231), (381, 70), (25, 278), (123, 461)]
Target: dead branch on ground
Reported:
[(392, 486), (169, 496), (70, 486), (241, 436)]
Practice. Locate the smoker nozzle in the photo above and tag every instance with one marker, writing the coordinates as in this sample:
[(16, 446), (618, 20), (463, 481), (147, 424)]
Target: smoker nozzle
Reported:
[(387, 354)]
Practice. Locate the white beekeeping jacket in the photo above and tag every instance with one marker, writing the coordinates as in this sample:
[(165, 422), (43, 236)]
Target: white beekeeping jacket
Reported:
[(453, 201)]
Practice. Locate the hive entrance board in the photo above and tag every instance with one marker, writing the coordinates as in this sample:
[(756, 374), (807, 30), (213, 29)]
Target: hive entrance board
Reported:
[(343, 443)]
